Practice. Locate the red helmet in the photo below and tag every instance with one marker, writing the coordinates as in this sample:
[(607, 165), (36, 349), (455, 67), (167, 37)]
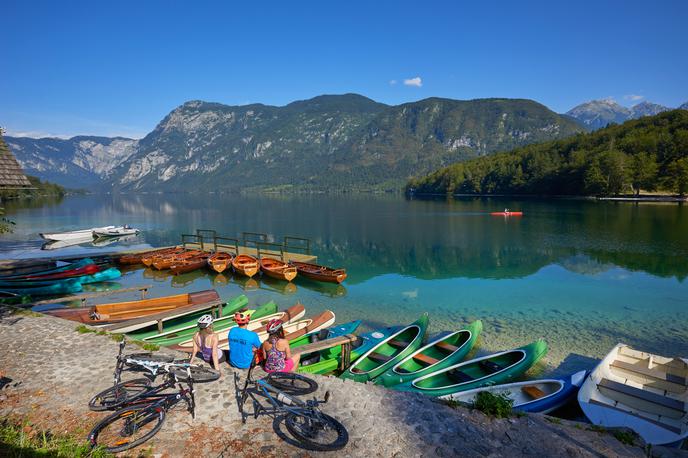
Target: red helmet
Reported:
[(241, 318), (274, 326)]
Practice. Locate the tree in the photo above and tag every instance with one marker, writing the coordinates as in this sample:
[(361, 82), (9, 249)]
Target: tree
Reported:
[(594, 183), (643, 172), (678, 175), (612, 164)]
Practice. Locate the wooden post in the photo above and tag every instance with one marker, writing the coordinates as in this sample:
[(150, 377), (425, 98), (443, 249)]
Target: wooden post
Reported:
[(159, 326), (144, 291), (219, 310), (346, 356)]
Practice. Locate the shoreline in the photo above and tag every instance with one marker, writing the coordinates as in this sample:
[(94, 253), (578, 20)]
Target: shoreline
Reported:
[(642, 198)]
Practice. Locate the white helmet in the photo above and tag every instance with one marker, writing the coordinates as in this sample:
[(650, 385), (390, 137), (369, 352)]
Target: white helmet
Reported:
[(205, 321)]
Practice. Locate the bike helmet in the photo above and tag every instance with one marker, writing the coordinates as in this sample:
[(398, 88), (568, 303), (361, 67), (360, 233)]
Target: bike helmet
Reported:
[(205, 321), (241, 318), (274, 326)]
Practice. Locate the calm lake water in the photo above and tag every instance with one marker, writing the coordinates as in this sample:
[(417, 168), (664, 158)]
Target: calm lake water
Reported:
[(584, 275)]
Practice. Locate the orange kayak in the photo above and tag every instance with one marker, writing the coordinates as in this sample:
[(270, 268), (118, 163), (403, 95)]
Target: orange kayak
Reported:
[(506, 213)]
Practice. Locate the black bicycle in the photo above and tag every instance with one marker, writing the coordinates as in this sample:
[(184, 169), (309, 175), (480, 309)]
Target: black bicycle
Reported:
[(142, 417), (313, 429), (122, 393)]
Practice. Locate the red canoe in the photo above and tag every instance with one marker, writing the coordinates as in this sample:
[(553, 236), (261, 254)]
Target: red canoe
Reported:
[(78, 272), (506, 213)]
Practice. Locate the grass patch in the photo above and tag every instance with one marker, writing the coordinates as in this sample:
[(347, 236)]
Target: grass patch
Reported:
[(452, 403), (25, 312), (22, 441), (117, 337), (499, 406), (625, 437), (597, 428), (554, 420), (83, 329)]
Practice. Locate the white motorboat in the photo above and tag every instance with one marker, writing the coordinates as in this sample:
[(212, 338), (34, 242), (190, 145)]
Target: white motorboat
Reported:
[(74, 235), (115, 231), (641, 391)]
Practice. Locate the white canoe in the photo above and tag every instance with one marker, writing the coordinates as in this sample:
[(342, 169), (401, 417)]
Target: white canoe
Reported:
[(641, 391), (113, 231), (74, 235)]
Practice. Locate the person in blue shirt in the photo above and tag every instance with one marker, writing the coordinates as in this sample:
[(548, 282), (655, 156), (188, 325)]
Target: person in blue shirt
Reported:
[(242, 342)]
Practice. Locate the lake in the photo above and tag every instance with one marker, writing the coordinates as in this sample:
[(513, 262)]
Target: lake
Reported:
[(584, 275)]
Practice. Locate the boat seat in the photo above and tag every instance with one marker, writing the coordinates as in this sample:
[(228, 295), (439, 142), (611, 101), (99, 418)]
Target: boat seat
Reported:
[(459, 377), (533, 391), (446, 346), (664, 401), (671, 428), (397, 343), (654, 373), (425, 359), (380, 357), (490, 366)]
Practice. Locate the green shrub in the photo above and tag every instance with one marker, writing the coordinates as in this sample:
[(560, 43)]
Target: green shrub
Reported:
[(21, 440), (83, 329), (625, 437), (497, 405)]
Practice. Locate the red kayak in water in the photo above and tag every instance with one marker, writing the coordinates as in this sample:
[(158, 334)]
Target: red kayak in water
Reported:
[(506, 213)]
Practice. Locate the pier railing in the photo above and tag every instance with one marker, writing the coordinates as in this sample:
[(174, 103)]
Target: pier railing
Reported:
[(264, 244)]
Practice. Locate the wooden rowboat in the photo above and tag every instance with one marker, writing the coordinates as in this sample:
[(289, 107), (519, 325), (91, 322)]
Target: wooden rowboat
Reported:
[(641, 391), (319, 273), (189, 265), (277, 269), (167, 261), (121, 311), (137, 258), (220, 261), (245, 265), (149, 259)]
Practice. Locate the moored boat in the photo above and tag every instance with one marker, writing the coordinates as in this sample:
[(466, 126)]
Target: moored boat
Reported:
[(67, 286), (220, 261), (115, 231), (539, 396), (440, 353), (277, 269), (149, 259), (137, 258), (319, 273), (166, 261), (491, 369), (51, 270), (644, 392), (327, 333), (189, 265), (245, 265), (88, 269), (387, 353), (71, 235), (118, 312)]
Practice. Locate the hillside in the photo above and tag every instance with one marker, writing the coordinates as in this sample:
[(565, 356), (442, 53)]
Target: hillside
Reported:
[(327, 143), (650, 153)]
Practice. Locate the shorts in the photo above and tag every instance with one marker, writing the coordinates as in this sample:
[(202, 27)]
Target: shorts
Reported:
[(288, 366)]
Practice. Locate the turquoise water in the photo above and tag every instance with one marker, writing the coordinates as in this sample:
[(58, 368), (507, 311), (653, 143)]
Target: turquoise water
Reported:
[(582, 274)]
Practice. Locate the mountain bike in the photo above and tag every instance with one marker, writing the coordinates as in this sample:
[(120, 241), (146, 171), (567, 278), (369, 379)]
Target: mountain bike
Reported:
[(153, 365), (304, 421), (141, 418)]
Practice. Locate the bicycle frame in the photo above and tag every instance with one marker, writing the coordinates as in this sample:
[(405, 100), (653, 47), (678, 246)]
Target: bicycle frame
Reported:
[(154, 397)]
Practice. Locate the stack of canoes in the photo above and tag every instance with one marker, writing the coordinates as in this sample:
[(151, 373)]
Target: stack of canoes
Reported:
[(57, 280), (137, 258), (190, 264), (166, 261)]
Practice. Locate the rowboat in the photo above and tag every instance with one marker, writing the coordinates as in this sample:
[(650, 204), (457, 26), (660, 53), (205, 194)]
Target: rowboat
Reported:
[(67, 286), (166, 261), (245, 265), (319, 273), (387, 353), (137, 258), (538, 396), (57, 244), (327, 333), (492, 369), (149, 259), (189, 265), (641, 391), (86, 270), (506, 213), (329, 360), (188, 321), (438, 354), (219, 261), (121, 311), (221, 326), (115, 231), (293, 313), (52, 270), (71, 235), (277, 269)]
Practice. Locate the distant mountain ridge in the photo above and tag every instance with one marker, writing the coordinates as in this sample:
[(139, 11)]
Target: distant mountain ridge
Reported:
[(596, 114)]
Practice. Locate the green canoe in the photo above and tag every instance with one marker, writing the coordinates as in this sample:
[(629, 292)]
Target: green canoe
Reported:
[(494, 369), (221, 324), (387, 353), (324, 334), (442, 352), (187, 321), (327, 361)]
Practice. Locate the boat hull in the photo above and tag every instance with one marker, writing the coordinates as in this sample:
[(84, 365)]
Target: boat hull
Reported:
[(319, 273), (277, 269), (245, 265)]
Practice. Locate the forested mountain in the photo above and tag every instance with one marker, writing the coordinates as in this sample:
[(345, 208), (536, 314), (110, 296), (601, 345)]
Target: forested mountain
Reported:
[(330, 142), (650, 153)]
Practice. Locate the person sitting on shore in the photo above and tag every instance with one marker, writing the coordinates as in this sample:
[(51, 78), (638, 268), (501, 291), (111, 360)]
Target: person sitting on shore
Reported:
[(205, 343), (276, 350), (242, 342)]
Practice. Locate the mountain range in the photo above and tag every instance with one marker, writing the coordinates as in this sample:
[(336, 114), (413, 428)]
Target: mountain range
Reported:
[(330, 142)]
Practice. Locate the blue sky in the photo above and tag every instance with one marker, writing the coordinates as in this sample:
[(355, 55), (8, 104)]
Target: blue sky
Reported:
[(117, 68)]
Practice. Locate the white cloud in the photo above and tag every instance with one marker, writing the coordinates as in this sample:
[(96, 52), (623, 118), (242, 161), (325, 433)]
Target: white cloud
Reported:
[(392, 82), (633, 97), (417, 82)]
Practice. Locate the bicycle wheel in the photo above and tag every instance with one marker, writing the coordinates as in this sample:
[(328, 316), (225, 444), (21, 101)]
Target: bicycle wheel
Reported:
[(158, 358), (291, 383), (199, 374), (119, 394), (127, 428), (317, 431)]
